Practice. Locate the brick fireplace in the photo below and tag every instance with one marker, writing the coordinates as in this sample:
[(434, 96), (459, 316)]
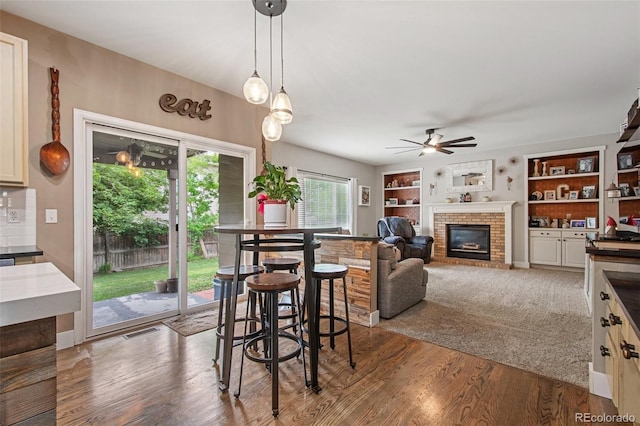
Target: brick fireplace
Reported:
[(497, 215)]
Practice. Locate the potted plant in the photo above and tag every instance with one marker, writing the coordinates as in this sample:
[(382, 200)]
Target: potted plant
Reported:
[(278, 191)]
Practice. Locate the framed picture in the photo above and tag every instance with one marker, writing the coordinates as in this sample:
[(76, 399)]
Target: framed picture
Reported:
[(573, 195), (392, 201), (625, 189), (550, 195), (592, 222), (557, 170), (577, 223), (625, 161), (543, 221), (364, 195), (636, 191), (589, 191), (586, 164), (415, 183)]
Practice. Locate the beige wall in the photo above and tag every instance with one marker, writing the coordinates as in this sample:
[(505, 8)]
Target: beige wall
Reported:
[(98, 80)]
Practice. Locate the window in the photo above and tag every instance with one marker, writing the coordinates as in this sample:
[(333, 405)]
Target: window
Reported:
[(326, 201)]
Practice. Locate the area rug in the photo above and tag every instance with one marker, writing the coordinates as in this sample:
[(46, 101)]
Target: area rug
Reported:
[(533, 319)]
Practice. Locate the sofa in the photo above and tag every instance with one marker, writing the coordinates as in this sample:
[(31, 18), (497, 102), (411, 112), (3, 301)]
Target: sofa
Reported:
[(401, 284), (398, 231)]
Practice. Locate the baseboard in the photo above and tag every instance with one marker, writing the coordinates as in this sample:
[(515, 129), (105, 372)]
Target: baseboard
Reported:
[(374, 318), (521, 265), (65, 340), (598, 383)]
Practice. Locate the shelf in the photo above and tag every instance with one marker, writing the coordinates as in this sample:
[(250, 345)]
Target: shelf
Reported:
[(633, 198), (631, 170), (402, 187), (583, 200), (401, 205), (565, 176)]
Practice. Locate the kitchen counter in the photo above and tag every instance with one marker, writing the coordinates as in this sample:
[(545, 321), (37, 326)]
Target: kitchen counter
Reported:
[(626, 285), (19, 251), (631, 252), (35, 291)]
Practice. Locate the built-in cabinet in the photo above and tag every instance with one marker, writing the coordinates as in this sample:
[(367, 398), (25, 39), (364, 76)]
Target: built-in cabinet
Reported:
[(402, 192), (14, 169), (563, 204), (628, 176), (557, 247)]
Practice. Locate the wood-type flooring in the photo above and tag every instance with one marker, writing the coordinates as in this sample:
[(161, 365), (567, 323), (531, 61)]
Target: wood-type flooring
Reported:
[(162, 378)]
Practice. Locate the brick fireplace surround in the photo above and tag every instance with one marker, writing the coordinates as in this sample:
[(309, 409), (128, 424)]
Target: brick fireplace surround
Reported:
[(496, 214)]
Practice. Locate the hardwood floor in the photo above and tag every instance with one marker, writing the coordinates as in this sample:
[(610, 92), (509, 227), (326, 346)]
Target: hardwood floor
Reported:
[(164, 378)]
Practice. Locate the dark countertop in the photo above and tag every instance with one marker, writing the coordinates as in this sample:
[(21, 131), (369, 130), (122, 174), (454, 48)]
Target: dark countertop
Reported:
[(19, 251), (626, 285), (614, 252)]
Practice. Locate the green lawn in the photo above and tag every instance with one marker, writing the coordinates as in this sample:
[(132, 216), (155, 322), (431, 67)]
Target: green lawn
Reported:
[(116, 284)]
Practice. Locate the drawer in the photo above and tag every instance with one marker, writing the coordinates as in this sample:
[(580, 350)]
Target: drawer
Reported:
[(627, 334), (545, 233), (611, 367), (574, 234)]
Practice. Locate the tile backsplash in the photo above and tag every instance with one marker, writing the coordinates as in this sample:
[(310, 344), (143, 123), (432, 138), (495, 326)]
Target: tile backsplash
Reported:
[(17, 217)]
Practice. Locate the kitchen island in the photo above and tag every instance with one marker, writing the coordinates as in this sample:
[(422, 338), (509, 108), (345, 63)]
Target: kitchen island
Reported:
[(31, 296)]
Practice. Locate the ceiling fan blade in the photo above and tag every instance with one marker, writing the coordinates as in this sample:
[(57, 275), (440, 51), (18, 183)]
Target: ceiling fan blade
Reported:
[(469, 138), (417, 143), (153, 155), (463, 145), (446, 151)]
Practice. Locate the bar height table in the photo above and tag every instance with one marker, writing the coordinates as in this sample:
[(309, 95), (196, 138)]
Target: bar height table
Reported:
[(291, 242)]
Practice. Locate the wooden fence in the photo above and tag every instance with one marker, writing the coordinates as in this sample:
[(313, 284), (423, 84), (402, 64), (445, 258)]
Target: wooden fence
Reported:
[(121, 252)]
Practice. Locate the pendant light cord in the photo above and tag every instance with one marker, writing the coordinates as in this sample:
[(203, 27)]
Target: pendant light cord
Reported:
[(281, 47), (255, 40), (270, 61)]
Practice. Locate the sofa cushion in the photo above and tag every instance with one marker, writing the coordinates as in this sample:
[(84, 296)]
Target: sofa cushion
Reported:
[(387, 252)]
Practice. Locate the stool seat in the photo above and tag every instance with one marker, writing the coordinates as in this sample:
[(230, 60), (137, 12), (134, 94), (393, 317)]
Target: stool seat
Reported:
[(280, 263), (327, 271), (273, 282), (226, 272)]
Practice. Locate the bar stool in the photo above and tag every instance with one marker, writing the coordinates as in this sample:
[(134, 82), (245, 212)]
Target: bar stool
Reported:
[(290, 264), (330, 271), (225, 276), (271, 286)]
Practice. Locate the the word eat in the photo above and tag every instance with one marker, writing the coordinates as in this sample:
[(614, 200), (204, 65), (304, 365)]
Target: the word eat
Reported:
[(170, 103)]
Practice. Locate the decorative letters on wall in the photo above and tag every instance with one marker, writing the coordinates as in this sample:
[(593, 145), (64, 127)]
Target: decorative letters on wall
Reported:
[(169, 103)]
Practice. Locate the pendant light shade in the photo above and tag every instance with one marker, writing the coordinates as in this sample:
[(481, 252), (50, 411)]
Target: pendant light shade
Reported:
[(271, 128), (281, 107), (122, 156), (255, 90)]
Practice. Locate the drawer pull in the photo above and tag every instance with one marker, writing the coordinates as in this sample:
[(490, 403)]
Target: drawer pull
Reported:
[(604, 351), (604, 322), (628, 350), (604, 296), (614, 319)]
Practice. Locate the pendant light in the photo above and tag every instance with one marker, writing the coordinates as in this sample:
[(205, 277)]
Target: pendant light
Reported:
[(271, 127), (281, 107), (255, 90)]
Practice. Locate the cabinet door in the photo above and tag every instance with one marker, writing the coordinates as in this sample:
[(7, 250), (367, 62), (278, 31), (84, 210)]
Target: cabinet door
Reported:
[(545, 250), (573, 252), (13, 111)]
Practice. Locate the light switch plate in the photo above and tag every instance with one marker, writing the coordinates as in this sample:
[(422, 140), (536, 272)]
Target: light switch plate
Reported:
[(13, 216), (51, 216)]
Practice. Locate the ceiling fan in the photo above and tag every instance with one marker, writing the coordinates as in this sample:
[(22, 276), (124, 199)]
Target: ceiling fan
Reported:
[(433, 144), (134, 153)]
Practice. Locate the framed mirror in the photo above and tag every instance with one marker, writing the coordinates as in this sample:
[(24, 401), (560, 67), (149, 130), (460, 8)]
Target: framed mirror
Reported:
[(470, 177)]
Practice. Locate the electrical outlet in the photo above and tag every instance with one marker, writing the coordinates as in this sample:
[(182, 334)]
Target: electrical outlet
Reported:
[(13, 216)]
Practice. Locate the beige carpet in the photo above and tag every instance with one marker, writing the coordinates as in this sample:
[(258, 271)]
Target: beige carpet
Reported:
[(532, 319), (186, 325)]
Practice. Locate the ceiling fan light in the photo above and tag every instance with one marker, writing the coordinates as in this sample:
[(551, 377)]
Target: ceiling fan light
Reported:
[(255, 90), (435, 139), (122, 156), (428, 150), (271, 128), (281, 107)]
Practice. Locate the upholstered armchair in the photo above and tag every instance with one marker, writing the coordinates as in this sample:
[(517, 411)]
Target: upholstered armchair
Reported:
[(399, 232), (401, 284)]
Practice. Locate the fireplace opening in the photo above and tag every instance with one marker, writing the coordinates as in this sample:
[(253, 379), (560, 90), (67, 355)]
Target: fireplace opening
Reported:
[(468, 241)]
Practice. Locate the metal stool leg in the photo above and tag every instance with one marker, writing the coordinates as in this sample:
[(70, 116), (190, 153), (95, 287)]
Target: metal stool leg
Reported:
[(332, 315), (223, 285), (346, 311), (244, 339)]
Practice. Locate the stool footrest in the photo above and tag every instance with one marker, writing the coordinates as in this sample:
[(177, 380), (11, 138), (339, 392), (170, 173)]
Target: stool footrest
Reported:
[(342, 330), (262, 337)]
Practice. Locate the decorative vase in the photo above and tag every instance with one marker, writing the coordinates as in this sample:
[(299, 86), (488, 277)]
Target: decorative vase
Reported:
[(275, 213), (536, 171)]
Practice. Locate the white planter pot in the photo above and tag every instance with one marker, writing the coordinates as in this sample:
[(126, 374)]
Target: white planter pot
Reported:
[(275, 213)]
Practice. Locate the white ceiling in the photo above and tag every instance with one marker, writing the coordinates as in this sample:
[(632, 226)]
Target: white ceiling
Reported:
[(363, 74)]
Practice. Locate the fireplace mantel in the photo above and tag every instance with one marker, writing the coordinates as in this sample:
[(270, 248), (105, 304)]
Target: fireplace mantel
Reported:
[(502, 208)]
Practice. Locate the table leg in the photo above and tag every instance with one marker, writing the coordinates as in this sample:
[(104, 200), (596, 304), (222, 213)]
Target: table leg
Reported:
[(310, 299), (229, 323)]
